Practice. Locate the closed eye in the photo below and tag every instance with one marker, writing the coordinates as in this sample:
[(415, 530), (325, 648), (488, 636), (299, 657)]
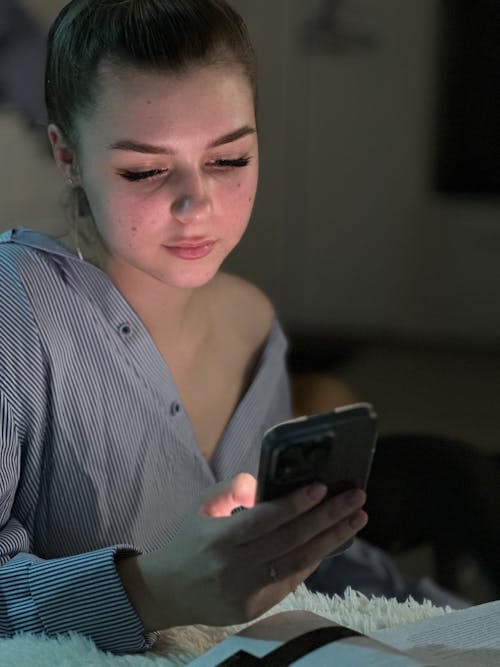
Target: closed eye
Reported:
[(135, 176), (229, 164)]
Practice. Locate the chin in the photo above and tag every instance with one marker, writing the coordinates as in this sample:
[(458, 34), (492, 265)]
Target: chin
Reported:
[(191, 274), (190, 279)]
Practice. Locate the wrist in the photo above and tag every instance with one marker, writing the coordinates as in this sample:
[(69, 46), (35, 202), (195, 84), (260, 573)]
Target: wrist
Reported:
[(140, 578)]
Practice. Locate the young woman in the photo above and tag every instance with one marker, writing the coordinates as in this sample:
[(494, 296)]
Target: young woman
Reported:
[(133, 397)]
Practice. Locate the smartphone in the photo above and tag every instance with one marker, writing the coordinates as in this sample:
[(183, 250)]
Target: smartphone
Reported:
[(335, 448)]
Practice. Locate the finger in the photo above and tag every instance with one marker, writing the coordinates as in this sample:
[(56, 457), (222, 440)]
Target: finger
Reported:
[(281, 576), (305, 558), (267, 516), (281, 525), (274, 579), (225, 497), (305, 527)]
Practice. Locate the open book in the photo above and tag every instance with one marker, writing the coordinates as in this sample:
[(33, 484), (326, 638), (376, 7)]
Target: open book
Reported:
[(466, 638)]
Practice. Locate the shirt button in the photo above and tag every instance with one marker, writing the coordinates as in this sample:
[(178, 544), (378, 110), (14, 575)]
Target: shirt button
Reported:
[(125, 329), (175, 408)]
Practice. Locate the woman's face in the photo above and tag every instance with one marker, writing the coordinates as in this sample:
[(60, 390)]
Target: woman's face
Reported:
[(169, 164)]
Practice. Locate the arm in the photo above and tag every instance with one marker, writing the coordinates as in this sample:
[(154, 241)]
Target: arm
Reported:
[(63, 594), (223, 569), (80, 593), (275, 544)]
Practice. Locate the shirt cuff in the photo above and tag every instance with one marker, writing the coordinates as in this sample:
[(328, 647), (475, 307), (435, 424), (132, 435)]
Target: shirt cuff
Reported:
[(84, 594)]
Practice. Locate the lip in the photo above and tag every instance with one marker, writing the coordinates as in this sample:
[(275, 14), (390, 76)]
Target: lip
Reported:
[(194, 242), (191, 249)]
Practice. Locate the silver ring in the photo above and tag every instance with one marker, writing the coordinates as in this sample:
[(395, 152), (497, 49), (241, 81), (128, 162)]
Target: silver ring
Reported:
[(273, 574)]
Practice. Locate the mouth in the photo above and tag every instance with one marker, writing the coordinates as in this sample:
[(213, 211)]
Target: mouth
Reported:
[(192, 249)]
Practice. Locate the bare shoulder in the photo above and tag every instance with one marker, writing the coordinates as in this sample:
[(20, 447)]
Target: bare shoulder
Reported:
[(244, 308)]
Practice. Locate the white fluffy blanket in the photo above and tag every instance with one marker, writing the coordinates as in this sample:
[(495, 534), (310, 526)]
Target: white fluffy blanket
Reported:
[(180, 645)]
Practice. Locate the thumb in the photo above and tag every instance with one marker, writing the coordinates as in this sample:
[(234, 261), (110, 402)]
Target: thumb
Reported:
[(223, 498)]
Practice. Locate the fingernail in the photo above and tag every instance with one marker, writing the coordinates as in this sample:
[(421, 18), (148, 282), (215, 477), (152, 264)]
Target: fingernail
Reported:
[(358, 520), (317, 491)]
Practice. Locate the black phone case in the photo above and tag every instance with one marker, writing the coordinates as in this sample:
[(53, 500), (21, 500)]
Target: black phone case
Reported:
[(335, 448)]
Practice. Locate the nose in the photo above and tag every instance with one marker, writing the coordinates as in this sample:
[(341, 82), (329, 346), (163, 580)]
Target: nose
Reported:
[(192, 202)]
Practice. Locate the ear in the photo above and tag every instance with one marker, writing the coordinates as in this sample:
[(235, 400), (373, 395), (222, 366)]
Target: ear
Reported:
[(64, 155)]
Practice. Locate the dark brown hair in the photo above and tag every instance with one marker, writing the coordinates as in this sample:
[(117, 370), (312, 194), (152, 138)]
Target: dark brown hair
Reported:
[(161, 35)]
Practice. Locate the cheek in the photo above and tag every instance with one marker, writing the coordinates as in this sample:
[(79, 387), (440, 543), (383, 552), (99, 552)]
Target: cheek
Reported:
[(116, 213), (237, 211), (240, 200)]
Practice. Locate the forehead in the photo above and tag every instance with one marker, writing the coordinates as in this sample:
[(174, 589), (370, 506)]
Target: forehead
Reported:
[(208, 99)]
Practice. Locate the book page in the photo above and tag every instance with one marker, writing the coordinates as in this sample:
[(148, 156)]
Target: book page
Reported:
[(262, 637), (356, 652), (462, 639)]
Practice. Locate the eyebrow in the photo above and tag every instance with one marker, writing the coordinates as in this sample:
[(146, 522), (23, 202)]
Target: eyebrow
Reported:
[(140, 147)]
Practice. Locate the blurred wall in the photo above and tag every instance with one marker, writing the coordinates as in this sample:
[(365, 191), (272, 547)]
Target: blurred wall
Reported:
[(366, 246), (30, 186), (347, 235), (44, 10)]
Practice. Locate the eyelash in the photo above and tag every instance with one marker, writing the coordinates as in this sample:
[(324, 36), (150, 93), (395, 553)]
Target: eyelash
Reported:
[(135, 176)]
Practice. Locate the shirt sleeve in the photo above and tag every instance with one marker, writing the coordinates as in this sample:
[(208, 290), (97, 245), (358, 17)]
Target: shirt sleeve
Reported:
[(81, 593)]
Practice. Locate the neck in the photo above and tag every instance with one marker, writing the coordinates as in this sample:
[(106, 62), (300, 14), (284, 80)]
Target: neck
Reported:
[(171, 314)]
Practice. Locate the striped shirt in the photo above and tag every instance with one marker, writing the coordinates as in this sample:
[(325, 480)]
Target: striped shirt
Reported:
[(97, 457)]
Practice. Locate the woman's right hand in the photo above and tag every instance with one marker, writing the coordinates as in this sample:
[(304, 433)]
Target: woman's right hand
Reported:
[(223, 569)]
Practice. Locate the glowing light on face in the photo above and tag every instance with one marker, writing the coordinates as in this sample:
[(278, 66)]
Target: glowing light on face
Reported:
[(170, 167)]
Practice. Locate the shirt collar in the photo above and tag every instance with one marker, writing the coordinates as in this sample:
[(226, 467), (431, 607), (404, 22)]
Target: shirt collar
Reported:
[(34, 239)]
